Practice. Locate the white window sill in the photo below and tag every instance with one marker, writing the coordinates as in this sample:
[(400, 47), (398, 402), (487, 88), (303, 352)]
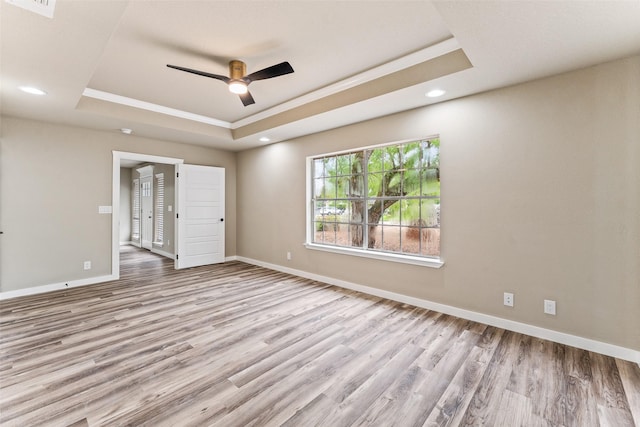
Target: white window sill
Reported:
[(406, 259)]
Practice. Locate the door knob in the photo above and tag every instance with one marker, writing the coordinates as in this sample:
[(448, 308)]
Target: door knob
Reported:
[(221, 219)]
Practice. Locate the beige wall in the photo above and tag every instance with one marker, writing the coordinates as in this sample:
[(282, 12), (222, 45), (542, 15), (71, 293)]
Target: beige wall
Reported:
[(540, 197), (52, 180)]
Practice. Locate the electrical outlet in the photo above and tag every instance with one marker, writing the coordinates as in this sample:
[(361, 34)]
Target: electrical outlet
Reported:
[(508, 299), (550, 307), (288, 256), (87, 265)]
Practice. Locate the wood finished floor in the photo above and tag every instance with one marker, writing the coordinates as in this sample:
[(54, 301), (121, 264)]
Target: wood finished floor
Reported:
[(239, 345)]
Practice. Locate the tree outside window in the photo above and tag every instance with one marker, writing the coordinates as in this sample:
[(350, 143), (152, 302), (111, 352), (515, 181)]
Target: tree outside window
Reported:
[(380, 199)]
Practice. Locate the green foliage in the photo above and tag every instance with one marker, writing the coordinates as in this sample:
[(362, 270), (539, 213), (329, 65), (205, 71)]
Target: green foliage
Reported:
[(395, 174)]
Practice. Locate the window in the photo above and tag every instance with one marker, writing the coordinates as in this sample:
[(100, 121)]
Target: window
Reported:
[(159, 211), (382, 200)]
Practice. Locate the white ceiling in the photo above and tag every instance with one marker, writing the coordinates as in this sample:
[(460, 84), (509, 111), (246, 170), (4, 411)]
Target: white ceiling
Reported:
[(353, 60)]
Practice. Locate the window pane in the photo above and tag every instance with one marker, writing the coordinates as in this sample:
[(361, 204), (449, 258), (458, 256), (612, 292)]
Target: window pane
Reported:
[(390, 238), (430, 182), (343, 187), (392, 158), (375, 237), (430, 242), (343, 165), (374, 209), (344, 210), (318, 168), (318, 185), (375, 184), (431, 154), (358, 160), (356, 186), (394, 186), (411, 240), (411, 155), (330, 166), (391, 214), (430, 213), (411, 182), (329, 233), (317, 232), (355, 235), (357, 211), (410, 212), (375, 162)]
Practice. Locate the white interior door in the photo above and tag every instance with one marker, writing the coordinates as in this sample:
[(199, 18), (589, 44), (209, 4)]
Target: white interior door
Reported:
[(200, 216), (146, 211)]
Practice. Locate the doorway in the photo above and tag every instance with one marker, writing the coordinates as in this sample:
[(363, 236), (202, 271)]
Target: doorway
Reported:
[(199, 201), (124, 159)]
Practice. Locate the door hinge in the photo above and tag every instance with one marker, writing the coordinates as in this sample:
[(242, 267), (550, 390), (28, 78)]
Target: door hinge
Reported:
[(177, 216), (177, 174), (177, 256)]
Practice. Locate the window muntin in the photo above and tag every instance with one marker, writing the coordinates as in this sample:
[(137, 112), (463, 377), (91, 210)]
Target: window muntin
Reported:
[(381, 199)]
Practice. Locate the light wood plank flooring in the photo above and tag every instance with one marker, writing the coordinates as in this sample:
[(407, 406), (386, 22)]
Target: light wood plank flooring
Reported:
[(239, 345)]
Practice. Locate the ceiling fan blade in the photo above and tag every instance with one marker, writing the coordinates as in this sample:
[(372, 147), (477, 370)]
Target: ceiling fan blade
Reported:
[(274, 71), (247, 99), (201, 73)]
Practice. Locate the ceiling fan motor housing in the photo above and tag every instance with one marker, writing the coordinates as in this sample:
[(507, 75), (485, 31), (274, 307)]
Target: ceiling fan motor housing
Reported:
[(237, 70)]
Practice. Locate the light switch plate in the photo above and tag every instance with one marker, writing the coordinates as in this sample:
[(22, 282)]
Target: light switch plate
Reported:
[(550, 307), (104, 209)]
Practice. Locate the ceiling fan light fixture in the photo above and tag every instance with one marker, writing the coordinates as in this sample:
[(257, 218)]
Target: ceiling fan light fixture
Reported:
[(238, 87)]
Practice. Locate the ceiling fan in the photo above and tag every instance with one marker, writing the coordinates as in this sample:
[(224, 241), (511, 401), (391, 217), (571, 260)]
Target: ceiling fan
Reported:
[(238, 81)]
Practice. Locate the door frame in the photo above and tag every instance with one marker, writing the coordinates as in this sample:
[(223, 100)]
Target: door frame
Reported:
[(118, 156)]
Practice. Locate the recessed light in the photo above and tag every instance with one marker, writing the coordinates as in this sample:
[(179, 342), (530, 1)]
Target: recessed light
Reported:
[(126, 131), (264, 139), (435, 93), (32, 90)]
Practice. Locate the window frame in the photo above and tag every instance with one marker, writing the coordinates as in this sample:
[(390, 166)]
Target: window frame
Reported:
[(434, 262)]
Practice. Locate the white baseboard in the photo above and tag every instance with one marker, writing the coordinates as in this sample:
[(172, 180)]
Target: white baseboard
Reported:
[(510, 325), (126, 244), (163, 253), (55, 287), (231, 258)]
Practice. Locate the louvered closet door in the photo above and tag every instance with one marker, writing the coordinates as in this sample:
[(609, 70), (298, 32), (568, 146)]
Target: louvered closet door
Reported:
[(158, 218), (135, 212), (146, 211)]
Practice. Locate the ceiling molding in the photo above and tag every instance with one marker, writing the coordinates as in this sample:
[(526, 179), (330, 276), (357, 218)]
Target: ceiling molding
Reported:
[(136, 103), (333, 96), (431, 69), (390, 67)]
